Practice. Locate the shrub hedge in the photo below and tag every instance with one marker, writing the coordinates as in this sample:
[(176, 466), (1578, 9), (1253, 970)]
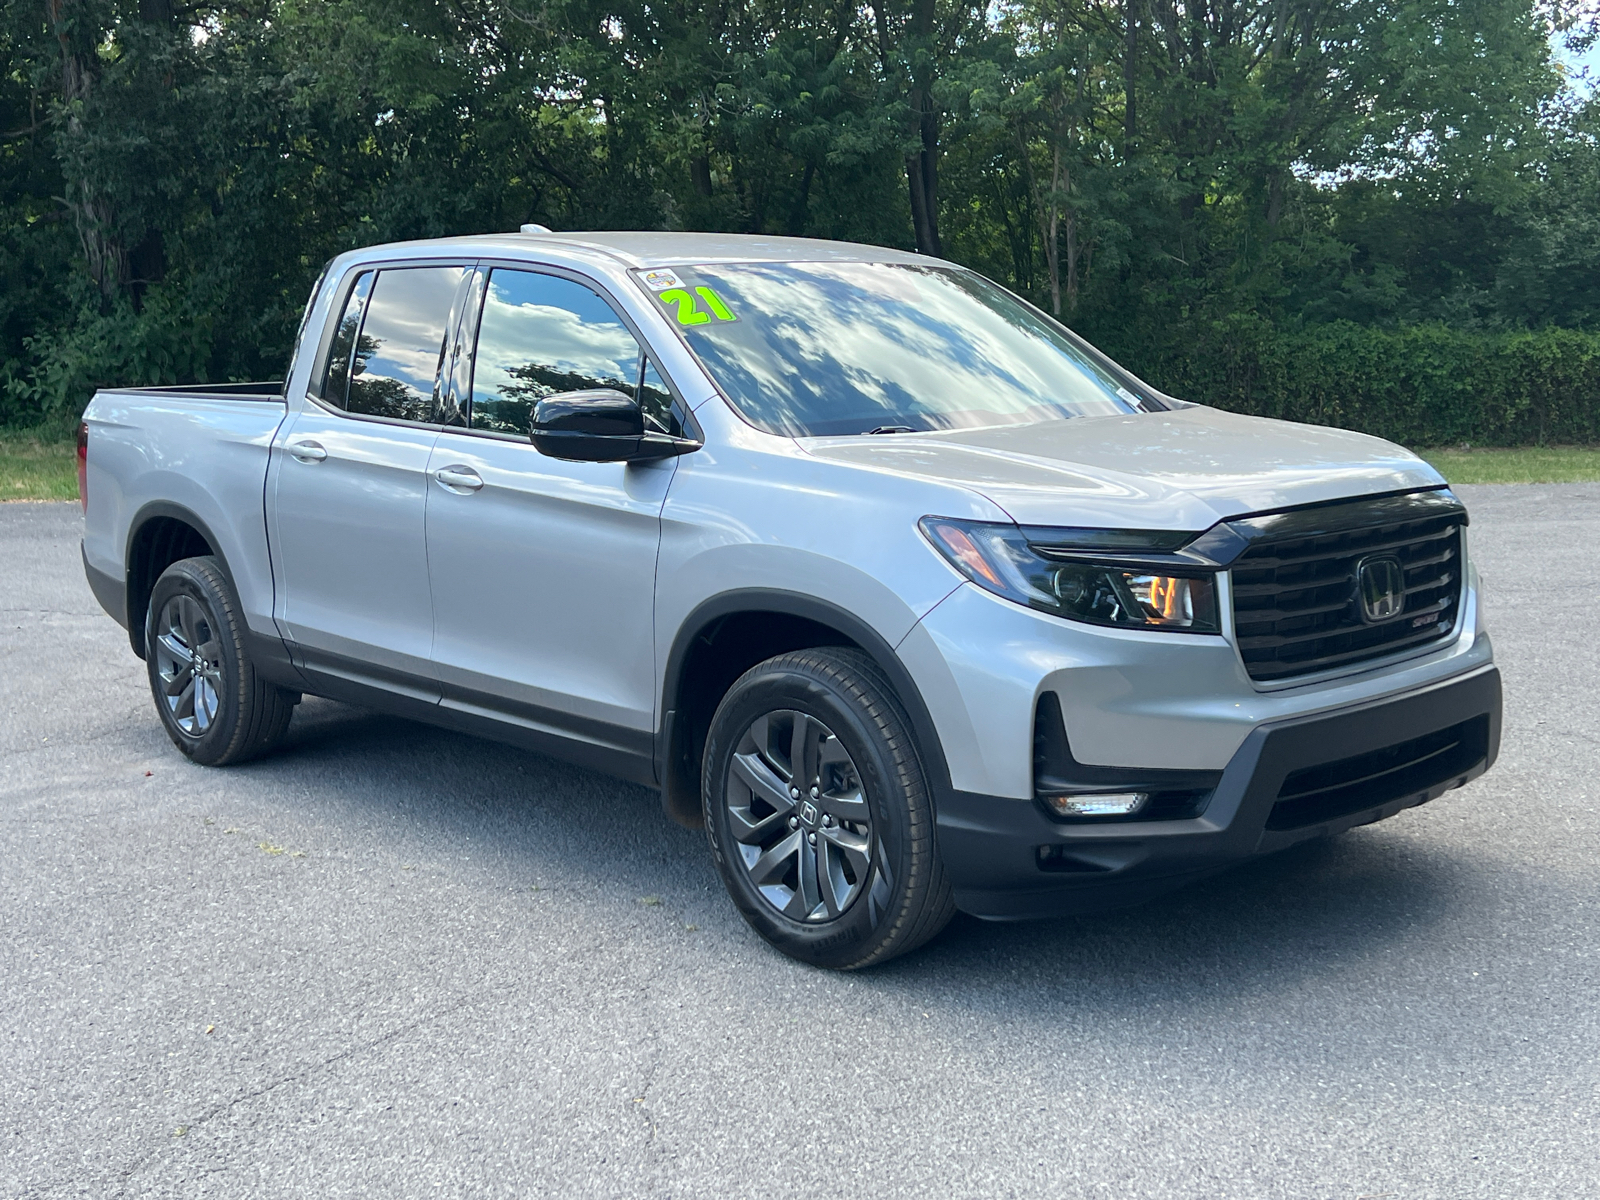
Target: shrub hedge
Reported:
[(1423, 385)]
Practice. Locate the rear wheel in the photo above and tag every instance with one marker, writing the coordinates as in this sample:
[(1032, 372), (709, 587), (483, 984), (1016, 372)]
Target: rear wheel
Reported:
[(214, 706), (818, 812)]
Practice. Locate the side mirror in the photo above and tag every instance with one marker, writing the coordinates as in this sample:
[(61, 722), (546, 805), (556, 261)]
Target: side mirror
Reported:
[(600, 425)]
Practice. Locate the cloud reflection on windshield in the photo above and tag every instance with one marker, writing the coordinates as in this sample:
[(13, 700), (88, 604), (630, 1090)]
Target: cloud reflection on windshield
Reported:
[(828, 348)]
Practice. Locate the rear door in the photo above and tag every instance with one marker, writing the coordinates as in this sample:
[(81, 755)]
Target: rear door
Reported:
[(543, 571), (349, 484)]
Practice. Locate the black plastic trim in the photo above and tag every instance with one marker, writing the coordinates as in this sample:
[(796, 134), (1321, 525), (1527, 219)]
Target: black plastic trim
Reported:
[(1056, 771), (637, 746), (991, 845), (1220, 546), (134, 612), (334, 675), (1349, 784), (597, 745), (1294, 592), (267, 651), (269, 654), (1351, 512), (111, 592), (1069, 541), (269, 392), (793, 604)]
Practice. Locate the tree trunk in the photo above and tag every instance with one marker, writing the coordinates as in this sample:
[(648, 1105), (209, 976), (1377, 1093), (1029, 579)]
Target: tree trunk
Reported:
[(802, 202), (700, 174), (1275, 199), (91, 213), (146, 265), (922, 166), (1047, 211), (1072, 263), (1130, 61)]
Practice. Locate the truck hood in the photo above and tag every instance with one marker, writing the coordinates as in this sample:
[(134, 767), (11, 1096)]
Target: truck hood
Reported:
[(1184, 469)]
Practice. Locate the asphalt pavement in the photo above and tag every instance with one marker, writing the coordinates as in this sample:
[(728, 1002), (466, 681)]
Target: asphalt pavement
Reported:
[(391, 961)]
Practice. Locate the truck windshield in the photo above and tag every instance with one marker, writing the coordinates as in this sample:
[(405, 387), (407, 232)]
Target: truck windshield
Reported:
[(814, 349)]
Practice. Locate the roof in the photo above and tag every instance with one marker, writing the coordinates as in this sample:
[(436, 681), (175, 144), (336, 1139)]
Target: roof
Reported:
[(646, 248)]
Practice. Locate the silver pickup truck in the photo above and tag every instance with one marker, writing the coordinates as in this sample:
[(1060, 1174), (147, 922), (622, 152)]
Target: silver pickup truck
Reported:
[(914, 599)]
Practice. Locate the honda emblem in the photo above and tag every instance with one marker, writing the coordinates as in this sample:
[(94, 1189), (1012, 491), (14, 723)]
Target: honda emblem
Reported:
[(1381, 588)]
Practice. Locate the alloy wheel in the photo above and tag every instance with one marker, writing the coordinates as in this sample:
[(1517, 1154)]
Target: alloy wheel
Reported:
[(799, 816), (189, 664)]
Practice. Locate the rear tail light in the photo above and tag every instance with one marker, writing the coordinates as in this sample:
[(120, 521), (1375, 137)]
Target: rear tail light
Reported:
[(83, 464)]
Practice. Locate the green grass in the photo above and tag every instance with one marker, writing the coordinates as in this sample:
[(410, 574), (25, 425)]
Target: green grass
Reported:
[(34, 468), (1525, 464)]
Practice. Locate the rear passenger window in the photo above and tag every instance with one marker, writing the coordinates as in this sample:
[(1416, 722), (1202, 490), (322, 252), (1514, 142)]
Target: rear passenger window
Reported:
[(540, 335), (386, 354)]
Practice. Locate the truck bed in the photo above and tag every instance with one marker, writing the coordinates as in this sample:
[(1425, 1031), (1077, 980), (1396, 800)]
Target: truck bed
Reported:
[(192, 453)]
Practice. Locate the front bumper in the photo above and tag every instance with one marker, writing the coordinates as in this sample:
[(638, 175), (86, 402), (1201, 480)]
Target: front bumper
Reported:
[(1007, 859)]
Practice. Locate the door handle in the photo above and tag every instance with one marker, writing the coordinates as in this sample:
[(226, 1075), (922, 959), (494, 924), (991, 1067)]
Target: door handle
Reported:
[(458, 479), (307, 452)]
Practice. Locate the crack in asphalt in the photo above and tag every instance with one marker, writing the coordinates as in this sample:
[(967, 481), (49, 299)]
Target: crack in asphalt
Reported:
[(457, 1006), (226, 1106)]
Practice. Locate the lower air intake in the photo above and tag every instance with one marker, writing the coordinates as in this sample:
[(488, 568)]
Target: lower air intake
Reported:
[(1336, 789)]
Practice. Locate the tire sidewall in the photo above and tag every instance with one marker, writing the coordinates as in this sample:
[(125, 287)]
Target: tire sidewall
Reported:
[(184, 578), (851, 937)]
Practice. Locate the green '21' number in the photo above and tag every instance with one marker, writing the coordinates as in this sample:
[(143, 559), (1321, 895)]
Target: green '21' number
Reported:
[(689, 312)]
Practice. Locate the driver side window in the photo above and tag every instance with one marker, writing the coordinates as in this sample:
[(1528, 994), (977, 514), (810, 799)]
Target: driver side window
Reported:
[(541, 335)]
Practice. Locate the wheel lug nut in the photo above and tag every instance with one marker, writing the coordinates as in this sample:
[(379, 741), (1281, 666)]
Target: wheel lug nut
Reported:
[(814, 793), (794, 822), (812, 838), (794, 793)]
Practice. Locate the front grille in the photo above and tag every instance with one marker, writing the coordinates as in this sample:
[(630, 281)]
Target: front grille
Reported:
[(1336, 789), (1296, 604)]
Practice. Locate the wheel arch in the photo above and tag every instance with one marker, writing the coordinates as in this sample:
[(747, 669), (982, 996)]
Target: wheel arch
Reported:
[(728, 634), (160, 534)]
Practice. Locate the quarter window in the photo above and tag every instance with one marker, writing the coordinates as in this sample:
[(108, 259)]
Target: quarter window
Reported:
[(656, 401), (541, 335), (336, 378)]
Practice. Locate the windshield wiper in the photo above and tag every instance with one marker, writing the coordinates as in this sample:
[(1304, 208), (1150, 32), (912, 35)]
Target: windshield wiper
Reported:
[(890, 429)]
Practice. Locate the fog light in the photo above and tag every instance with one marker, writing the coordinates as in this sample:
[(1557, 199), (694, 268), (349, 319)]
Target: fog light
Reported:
[(1104, 804)]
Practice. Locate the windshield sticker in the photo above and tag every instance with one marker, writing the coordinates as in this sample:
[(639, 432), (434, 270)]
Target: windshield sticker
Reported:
[(660, 280), (688, 303), (714, 303)]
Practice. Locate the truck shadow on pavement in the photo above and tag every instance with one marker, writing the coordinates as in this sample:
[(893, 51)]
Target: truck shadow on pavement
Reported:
[(1351, 903)]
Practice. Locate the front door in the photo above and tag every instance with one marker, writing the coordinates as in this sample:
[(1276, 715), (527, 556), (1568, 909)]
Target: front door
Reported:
[(543, 571), (350, 487)]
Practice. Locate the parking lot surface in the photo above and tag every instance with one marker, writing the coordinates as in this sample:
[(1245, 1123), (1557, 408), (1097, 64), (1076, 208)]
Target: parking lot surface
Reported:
[(391, 961)]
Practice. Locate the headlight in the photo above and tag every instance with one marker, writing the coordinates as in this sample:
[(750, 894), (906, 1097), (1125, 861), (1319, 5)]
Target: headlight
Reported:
[(999, 558)]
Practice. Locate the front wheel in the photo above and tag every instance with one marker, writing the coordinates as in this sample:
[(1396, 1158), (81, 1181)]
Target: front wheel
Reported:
[(818, 812), (214, 706)]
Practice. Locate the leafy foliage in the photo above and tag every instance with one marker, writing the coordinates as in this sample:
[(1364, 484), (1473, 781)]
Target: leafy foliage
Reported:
[(1380, 213), (1421, 385)]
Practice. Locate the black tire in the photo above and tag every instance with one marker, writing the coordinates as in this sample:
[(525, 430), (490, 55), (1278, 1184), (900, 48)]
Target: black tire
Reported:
[(227, 713), (865, 765)]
